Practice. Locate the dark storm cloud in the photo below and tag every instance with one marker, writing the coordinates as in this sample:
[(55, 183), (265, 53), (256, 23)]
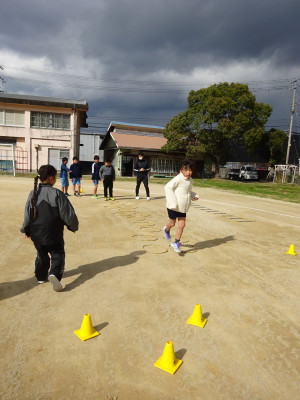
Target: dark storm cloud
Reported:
[(153, 34), (148, 40)]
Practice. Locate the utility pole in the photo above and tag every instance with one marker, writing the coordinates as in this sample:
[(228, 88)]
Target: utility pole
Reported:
[(1, 80), (291, 123)]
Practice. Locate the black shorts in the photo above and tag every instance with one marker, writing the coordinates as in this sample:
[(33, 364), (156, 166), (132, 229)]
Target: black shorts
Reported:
[(175, 214)]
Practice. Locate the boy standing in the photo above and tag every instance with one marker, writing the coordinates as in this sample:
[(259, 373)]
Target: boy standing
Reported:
[(76, 175), (95, 175), (64, 176), (179, 196), (141, 168), (108, 176)]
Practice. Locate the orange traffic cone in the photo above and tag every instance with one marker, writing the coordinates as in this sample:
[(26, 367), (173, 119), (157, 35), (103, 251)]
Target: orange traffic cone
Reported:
[(87, 330), (168, 362), (196, 318)]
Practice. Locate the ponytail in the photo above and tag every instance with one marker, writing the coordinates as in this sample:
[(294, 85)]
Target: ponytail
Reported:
[(44, 172), (34, 196)]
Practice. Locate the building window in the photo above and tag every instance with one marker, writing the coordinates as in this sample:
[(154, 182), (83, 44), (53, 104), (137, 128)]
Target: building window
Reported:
[(165, 166), (12, 118), (50, 120)]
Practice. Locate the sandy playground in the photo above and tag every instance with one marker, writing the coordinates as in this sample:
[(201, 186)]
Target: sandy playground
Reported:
[(140, 293)]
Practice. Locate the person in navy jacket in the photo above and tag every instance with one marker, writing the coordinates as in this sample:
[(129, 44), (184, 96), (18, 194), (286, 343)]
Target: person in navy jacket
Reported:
[(76, 175), (142, 168)]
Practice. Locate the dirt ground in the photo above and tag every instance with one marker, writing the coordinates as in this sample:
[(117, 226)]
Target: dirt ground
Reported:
[(140, 293)]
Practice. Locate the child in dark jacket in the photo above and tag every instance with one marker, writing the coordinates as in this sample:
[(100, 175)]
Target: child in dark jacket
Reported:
[(46, 212), (95, 175), (76, 175), (108, 176), (64, 176)]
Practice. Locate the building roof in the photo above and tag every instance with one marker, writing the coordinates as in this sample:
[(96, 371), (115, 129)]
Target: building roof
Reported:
[(44, 101), (138, 141), (135, 127)]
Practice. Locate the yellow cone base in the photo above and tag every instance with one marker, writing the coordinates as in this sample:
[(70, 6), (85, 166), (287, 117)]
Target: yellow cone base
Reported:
[(167, 362), (291, 250), (196, 318), (81, 190), (87, 330)]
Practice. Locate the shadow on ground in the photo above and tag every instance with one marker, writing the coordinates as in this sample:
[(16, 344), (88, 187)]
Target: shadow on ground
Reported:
[(207, 244), (87, 271)]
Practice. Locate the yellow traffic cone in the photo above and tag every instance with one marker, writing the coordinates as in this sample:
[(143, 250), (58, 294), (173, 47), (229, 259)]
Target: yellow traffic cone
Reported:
[(196, 318), (87, 330), (81, 190), (291, 250), (168, 362)]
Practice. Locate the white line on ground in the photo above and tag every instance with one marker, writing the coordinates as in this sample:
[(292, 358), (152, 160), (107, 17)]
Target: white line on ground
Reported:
[(202, 200)]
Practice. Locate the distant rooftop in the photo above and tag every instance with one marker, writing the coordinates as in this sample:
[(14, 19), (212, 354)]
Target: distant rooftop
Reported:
[(113, 123), (42, 100)]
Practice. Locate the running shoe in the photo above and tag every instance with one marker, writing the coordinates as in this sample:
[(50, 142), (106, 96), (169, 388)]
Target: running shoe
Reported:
[(105, 198), (148, 198), (167, 234), (112, 198), (57, 286), (176, 246), (137, 197), (67, 194), (95, 197)]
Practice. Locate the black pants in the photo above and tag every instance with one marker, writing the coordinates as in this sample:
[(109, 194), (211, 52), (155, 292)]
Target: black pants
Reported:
[(42, 262), (139, 179), (108, 183)]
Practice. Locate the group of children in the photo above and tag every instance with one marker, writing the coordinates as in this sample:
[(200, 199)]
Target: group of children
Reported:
[(48, 210), (105, 173)]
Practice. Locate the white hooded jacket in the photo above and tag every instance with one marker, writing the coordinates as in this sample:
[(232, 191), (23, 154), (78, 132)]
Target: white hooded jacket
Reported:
[(179, 193)]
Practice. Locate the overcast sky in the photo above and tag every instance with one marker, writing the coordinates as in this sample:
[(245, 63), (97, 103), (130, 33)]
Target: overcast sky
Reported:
[(136, 60)]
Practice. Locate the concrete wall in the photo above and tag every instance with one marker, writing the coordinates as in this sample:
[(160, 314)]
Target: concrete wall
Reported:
[(38, 141)]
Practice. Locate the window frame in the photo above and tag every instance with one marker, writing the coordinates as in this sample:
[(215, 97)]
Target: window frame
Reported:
[(51, 121), (5, 112)]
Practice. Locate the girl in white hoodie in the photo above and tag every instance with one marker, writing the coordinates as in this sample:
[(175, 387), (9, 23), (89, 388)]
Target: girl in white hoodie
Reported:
[(179, 196)]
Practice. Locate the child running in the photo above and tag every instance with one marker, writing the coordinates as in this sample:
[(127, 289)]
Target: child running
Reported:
[(76, 175), (46, 212), (108, 176), (179, 196), (64, 176), (95, 175)]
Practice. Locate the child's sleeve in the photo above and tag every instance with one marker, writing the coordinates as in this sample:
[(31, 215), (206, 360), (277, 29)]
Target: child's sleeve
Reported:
[(170, 194), (65, 168), (193, 195), (71, 169), (100, 173), (26, 224), (66, 212), (93, 172)]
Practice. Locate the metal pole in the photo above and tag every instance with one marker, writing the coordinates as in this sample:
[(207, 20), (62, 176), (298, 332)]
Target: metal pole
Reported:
[(13, 159), (291, 124)]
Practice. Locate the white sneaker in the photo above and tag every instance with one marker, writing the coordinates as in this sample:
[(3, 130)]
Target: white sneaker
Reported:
[(40, 282), (57, 286), (148, 198), (137, 198)]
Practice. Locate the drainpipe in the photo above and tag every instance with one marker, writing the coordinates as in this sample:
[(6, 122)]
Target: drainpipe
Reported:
[(36, 146)]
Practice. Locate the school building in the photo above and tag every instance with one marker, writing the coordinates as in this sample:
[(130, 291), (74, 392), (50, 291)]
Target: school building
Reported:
[(42, 130), (123, 141)]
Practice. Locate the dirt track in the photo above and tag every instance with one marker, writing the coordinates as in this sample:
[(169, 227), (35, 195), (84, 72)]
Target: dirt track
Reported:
[(140, 294)]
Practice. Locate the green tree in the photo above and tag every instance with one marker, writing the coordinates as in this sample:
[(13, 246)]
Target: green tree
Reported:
[(215, 115)]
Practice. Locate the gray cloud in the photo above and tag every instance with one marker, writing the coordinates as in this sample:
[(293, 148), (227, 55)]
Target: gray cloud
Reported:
[(163, 41)]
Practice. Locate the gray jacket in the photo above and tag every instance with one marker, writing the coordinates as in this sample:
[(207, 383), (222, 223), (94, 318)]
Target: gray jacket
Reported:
[(53, 211), (107, 171)]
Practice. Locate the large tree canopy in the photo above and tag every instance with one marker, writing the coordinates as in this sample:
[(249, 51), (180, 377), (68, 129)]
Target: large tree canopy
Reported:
[(214, 115)]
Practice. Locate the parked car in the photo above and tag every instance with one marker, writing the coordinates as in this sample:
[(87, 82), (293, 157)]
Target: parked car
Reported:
[(246, 172)]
